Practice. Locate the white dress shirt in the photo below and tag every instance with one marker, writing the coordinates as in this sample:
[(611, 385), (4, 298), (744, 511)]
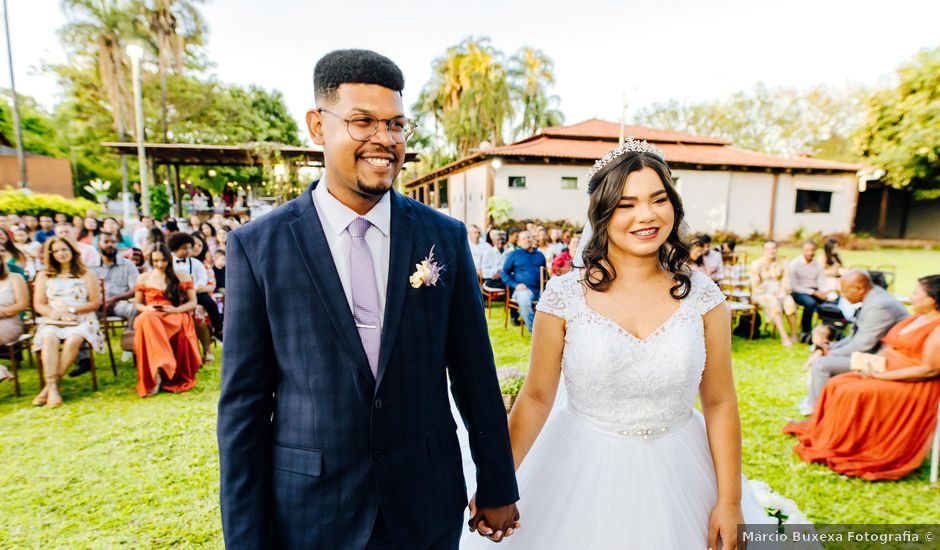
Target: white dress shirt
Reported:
[(335, 217), (193, 268), (477, 251)]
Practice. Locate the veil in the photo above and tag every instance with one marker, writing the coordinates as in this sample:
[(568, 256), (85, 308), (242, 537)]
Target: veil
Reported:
[(586, 233)]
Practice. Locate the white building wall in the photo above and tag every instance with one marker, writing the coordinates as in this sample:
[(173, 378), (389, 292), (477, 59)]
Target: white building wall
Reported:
[(543, 196), (713, 200), (837, 220)]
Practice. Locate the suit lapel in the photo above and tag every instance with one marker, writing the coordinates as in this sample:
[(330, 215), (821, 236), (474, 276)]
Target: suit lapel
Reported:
[(315, 253), (399, 270)]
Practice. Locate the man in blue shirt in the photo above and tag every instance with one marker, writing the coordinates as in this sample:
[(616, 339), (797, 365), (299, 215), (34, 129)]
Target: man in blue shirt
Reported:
[(522, 274)]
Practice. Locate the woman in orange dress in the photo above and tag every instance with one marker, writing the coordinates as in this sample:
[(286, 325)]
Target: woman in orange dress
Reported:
[(164, 333), (877, 425)]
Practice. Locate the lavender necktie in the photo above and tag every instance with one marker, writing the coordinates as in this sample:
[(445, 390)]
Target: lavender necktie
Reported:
[(365, 293)]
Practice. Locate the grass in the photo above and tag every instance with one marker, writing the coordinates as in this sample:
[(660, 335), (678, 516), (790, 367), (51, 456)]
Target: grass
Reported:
[(110, 469)]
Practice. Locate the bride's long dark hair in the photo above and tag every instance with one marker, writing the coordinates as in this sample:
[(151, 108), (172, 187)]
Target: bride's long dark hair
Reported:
[(606, 189)]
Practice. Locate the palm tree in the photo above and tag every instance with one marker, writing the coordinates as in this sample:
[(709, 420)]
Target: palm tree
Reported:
[(531, 73), (170, 26), (99, 29), (468, 95)]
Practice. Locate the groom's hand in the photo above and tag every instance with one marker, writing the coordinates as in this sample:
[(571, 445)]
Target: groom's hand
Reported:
[(494, 523)]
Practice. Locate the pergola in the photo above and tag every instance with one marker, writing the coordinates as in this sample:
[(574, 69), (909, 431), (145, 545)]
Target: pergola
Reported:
[(195, 154)]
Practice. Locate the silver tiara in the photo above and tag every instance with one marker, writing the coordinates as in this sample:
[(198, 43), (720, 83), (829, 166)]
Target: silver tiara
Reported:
[(628, 145)]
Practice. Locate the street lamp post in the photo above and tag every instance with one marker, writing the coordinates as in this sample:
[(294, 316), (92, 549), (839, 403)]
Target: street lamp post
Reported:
[(136, 53), (18, 126)]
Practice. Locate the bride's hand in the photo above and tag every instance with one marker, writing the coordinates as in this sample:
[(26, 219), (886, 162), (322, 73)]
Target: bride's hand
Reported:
[(723, 524)]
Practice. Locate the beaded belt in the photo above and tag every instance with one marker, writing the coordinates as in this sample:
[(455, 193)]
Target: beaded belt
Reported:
[(635, 431)]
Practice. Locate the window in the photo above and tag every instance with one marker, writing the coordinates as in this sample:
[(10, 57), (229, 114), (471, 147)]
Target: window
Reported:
[(517, 181), (443, 193), (569, 183), (808, 201)]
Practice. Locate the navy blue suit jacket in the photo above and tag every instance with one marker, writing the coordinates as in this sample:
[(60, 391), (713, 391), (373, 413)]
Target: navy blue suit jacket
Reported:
[(311, 445)]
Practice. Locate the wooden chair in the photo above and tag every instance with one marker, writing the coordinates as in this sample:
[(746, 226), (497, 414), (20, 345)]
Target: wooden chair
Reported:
[(511, 304), (737, 289), (109, 325), (13, 349), (85, 345), (491, 295)]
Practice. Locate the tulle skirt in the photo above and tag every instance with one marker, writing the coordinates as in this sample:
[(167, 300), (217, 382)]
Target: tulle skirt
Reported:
[(582, 487)]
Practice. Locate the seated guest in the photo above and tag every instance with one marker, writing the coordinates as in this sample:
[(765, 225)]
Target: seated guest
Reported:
[(164, 333), (88, 253), (142, 232), (13, 256), (14, 299), (562, 263), (711, 260), (120, 277), (879, 312), (90, 229), (522, 274), (877, 425), (512, 238), (208, 233), (769, 291), (697, 255), (46, 229), (31, 226), (181, 246), (832, 264), (543, 245), (67, 297), (478, 247), (807, 281), (218, 269), (493, 261), (112, 226)]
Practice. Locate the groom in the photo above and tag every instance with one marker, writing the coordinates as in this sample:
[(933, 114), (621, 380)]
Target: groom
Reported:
[(335, 428)]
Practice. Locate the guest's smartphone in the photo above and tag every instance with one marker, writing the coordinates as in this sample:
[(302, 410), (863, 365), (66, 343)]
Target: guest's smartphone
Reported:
[(158, 306)]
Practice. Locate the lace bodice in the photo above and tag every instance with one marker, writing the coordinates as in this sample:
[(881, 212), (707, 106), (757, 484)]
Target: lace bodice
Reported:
[(615, 378)]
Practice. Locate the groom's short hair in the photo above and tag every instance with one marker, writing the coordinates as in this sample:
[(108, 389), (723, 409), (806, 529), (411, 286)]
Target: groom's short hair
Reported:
[(354, 67)]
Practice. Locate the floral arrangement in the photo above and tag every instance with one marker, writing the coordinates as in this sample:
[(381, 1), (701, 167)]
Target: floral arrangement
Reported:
[(428, 272), (777, 506), (100, 190), (510, 380)]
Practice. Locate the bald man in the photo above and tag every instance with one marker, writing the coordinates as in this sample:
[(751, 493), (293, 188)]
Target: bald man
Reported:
[(879, 312)]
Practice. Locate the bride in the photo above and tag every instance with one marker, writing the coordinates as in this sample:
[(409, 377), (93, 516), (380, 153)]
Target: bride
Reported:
[(626, 461)]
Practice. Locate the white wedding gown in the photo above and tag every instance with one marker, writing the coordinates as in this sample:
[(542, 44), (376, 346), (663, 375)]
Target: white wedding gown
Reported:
[(623, 462)]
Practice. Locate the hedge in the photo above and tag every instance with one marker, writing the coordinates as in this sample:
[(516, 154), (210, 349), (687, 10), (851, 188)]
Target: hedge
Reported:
[(14, 201)]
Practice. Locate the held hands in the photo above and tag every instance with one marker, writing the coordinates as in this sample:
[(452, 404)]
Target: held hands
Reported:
[(723, 524), (493, 523)]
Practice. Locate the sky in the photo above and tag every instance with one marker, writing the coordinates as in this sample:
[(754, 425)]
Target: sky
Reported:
[(688, 50)]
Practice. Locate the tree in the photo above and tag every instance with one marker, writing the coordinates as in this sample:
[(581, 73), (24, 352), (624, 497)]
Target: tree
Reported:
[(785, 121), (40, 135), (172, 25), (901, 132), (468, 95), (531, 73)]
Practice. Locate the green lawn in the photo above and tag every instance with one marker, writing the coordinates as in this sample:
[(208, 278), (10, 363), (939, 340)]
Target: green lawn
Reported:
[(110, 469)]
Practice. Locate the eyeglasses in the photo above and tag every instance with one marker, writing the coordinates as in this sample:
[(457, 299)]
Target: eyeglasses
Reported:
[(364, 127)]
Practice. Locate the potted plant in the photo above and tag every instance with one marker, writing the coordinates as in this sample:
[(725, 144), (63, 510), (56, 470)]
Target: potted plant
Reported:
[(510, 382)]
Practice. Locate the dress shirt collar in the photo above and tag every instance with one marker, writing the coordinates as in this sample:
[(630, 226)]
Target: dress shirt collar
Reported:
[(339, 216)]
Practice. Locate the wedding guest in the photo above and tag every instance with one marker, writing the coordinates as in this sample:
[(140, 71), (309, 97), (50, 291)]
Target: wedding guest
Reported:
[(555, 241), (478, 247), (543, 245), (218, 268), (807, 282), (727, 247), (711, 260), (563, 262), (31, 225), (697, 255), (208, 233), (877, 425), (119, 276), (181, 246), (769, 291), (14, 257), (194, 223), (879, 312), (14, 299), (88, 253), (60, 217), (142, 232), (164, 334), (67, 298), (512, 238), (832, 264), (20, 236), (112, 226), (522, 273), (89, 231), (46, 229), (221, 237), (493, 261)]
